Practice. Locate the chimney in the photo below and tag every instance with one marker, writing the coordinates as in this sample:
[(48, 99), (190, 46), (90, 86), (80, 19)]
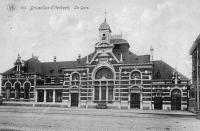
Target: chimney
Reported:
[(151, 51), (54, 59), (79, 58)]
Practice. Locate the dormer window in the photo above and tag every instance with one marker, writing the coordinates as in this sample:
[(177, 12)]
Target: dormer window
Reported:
[(136, 78), (18, 63), (18, 68), (75, 77), (135, 75)]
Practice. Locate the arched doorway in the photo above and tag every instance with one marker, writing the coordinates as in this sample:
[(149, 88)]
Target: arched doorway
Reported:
[(74, 96), (135, 96), (8, 89), (176, 99), (17, 90), (27, 90), (135, 92)]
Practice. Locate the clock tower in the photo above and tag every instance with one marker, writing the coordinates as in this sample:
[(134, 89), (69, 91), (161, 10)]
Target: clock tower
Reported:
[(104, 35)]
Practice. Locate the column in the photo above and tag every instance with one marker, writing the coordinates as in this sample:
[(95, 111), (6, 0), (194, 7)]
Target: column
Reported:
[(36, 95), (129, 98), (45, 95), (99, 92), (54, 96), (106, 93), (141, 102)]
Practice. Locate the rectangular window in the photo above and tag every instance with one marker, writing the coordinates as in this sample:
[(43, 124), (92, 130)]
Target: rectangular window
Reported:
[(96, 93), (103, 93), (110, 93), (58, 96), (40, 95), (49, 96)]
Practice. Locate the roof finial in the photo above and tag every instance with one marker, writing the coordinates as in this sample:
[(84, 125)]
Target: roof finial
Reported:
[(87, 60), (121, 58), (176, 67), (151, 51), (105, 15), (18, 56), (54, 59)]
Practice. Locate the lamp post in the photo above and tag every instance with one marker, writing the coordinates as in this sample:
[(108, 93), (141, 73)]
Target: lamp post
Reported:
[(188, 89), (34, 92)]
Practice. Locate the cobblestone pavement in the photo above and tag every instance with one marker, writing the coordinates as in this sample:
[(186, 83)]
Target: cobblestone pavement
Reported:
[(74, 119)]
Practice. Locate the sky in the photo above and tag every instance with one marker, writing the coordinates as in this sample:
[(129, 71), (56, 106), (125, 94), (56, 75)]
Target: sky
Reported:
[(169, 26)]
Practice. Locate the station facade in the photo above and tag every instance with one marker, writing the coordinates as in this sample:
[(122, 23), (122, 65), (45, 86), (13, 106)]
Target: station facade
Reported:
[(111, 74)]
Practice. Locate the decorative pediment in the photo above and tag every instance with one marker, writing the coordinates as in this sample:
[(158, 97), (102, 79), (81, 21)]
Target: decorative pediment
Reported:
[(135, 87), (103, 44), (104, 55)]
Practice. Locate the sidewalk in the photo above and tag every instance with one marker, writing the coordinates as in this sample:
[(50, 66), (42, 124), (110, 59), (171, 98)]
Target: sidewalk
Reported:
[(94, 111)]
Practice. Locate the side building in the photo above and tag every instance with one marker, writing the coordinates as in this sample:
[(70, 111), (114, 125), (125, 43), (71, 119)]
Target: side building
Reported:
[(194, 89), (111, 74)]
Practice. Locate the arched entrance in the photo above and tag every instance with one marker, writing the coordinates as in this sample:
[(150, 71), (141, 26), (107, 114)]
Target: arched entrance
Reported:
[(17, 90), (103, 81), (26, 90), (176, 99)]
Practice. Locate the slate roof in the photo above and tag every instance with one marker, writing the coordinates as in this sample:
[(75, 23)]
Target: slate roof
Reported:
[(10, 71), (54, 68), (104, 26), (119, 42), (131, 58), (33, 65), (162, 70)]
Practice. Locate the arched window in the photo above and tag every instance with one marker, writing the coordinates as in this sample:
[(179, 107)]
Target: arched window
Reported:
[(104, 92), (27, 87), (135, 75), (104, 73), (75, 76), (8, 89), (17, 90)]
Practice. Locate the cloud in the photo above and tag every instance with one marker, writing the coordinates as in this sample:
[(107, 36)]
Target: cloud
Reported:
[(58, 21), (169, 26)]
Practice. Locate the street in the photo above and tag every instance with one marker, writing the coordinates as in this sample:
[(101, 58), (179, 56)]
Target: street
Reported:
[(75, 119)]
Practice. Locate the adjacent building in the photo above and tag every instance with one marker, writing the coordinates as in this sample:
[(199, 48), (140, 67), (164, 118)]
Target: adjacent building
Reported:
[(111, 75), (194, 89)]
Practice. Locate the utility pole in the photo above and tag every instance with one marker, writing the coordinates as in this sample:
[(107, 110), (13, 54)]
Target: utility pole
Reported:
[(151, 59), (151, 51), (197, 78)]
